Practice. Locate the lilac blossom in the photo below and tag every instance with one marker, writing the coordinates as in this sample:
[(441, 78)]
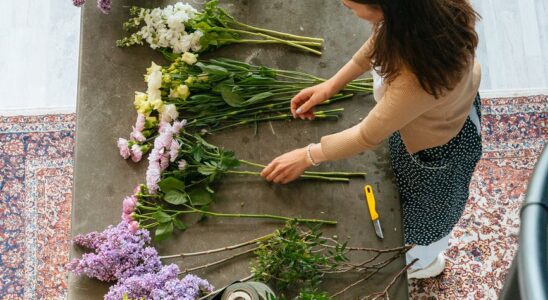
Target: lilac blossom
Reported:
[(78, 3), (104, 6), (118, 253), (160, 285)]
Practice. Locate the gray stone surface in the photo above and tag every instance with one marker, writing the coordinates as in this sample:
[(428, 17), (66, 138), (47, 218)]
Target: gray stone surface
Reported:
[(108, 78)]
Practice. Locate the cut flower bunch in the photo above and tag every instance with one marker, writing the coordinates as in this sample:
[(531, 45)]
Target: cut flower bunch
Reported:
[(181, 176), (180, 28), (218, 94)]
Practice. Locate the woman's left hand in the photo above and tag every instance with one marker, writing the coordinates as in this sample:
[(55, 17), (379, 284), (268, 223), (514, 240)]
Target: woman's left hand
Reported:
[(287, 167)]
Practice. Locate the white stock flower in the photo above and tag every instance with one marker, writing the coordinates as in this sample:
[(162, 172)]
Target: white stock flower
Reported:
[(166, 28), (154, 82)]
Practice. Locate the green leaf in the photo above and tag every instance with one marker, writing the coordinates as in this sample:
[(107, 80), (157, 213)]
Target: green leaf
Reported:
[(203, 98), (256, 79), (230, 97), (179, 224), (176, 197), (161, 217), (212, 69), (200, 197), (197, 154), (163, 231), (229, 161), (203, 142), (168, 54), (264, 71), (205, 170), (171, 184), (258, 97)]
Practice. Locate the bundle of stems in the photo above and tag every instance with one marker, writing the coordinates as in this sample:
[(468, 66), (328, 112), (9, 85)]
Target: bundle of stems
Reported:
[(207, 30), (226, 93), (182, 176), (218, 94)]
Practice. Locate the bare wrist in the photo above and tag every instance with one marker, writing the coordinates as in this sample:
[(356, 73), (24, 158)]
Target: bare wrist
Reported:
[(333, 86), (317, 153)]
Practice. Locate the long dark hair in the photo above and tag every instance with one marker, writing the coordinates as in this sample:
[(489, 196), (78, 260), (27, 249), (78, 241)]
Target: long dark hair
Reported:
[(436, 39)]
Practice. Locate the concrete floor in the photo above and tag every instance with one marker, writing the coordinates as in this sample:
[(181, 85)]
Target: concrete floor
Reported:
[(108, 78)]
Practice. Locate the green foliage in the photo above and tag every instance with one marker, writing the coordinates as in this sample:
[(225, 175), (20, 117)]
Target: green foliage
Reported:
[(293, 258)]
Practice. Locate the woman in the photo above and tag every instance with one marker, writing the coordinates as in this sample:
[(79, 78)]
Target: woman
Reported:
[(426, 81)]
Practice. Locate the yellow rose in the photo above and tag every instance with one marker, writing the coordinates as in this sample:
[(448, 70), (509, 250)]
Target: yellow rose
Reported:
[(157, 104), (181, 92), (203, 78), (145, 108), (190, 80), (189, 58)]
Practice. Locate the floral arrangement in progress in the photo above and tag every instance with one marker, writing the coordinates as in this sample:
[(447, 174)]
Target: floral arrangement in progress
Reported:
[(181, 28), (219, 94), (184, 103)]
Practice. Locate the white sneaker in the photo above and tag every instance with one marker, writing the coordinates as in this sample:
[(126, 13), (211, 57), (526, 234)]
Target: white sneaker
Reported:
[(432, 270)]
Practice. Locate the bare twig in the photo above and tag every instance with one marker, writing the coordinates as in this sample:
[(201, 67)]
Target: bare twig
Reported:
[(254, 241), (377, 267), (392, 282), (218, 261), (354, 284)]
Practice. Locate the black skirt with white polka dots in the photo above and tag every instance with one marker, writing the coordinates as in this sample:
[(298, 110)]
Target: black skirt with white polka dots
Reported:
[(434, 183)]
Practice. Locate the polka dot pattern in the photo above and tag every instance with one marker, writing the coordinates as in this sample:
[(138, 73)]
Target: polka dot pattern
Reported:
[(434, 183)]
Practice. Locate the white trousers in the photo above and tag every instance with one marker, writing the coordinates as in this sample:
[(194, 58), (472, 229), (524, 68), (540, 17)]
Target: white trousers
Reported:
[(427, 254)]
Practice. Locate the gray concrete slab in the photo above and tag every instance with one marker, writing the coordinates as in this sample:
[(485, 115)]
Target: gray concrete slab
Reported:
[(108, 78)]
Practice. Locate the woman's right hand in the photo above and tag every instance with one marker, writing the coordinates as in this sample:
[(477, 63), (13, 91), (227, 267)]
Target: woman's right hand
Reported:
[(302, 105)]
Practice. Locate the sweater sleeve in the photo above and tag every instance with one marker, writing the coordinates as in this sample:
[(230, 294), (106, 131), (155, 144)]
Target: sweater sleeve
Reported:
[(403, 102), (362, 56)]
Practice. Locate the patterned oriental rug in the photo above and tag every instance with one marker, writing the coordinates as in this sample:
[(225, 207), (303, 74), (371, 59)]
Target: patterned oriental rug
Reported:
[(36, 166)]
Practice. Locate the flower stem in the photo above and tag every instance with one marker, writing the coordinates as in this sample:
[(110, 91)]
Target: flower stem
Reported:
[(261, 216), (273, 38), (305, 176), (335, 174), (282, 34), (251, 41)]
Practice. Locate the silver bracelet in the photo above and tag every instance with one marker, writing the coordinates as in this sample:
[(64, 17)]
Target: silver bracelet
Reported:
[(309, 154)]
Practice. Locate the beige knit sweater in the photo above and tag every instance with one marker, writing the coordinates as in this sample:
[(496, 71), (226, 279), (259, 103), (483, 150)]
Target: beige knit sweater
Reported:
[(423, 121)]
